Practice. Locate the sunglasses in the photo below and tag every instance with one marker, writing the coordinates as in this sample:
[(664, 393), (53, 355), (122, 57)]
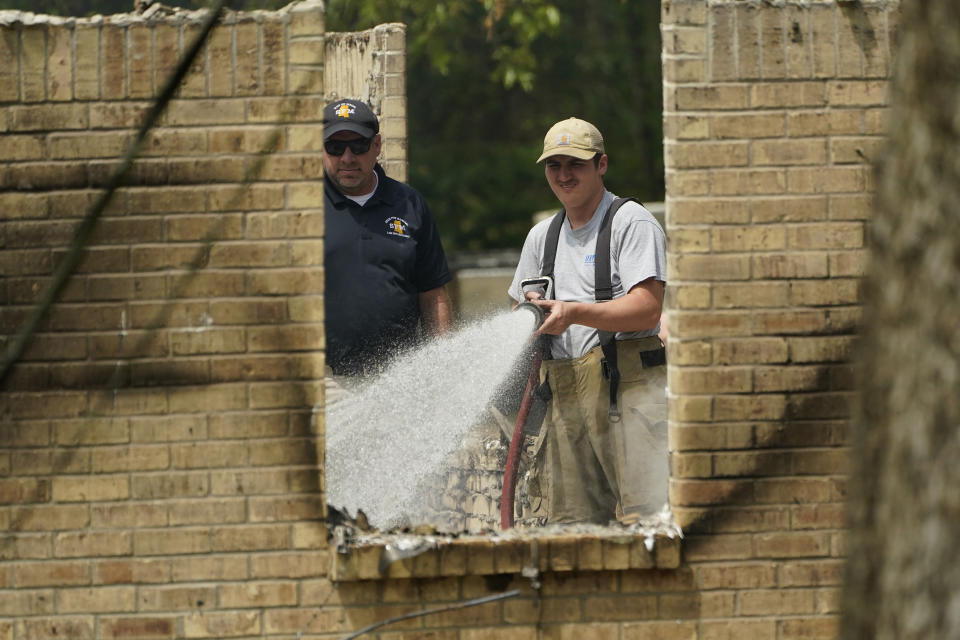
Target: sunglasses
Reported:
[(357, 147)]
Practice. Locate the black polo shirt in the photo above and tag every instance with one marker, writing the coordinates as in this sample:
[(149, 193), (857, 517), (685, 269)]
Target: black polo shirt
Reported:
[(378, 258)]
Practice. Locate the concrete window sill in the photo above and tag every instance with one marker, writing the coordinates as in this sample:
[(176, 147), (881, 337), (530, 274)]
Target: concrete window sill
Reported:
[(380, 556)]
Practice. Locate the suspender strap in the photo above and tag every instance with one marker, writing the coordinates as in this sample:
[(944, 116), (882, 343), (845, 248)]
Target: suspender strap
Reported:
[(603, 292), (551, 242)]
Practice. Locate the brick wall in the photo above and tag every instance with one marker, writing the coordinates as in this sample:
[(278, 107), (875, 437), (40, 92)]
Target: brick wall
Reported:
[(159, 471)]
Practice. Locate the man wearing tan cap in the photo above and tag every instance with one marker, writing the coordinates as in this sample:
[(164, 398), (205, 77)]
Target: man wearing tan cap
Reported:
[(601, 452)]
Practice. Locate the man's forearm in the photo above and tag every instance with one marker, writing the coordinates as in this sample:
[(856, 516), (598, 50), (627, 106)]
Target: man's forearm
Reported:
[(435, 311)]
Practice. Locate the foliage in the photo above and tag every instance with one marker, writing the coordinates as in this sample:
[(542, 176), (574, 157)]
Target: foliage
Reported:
[(487, 78)]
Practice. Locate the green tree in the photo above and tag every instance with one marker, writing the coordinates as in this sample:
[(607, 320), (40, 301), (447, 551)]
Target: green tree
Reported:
[(486, 79)]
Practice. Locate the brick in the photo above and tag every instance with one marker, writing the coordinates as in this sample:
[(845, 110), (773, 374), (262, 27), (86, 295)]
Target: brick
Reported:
[(218, 568), (820, 516), (47, 574), (792, 545), (306, 564), (673, 630), (693, 155), (788, 152), (792, 491), (750, 351), (247, 197), (710, 267), (681, 40), (748, 182), (859, 150), (10, 73), (87, 544), (736, 629), (774, 602), (711, 97), (838, 235), (754, 238), (821, 349), (825, 123), (821, 405), (273, 53), (140, 61), (131, 571), (805, 573), (695, 409), (140, 627), (788, 95), (258, 594), (50, 517), (712, 211), (853, 93), (138, 458), (851, 207), (195, 512), (748, 42), (89, 489), (737, 576), (799, 62), (207, 285), (221, 61), (207, 341), (686, 184), (684, 70), (710, 380), (74, 627), (722, 39), (803, 209), (709, 324), (176, 598), (195, 83), (169, 485), (751, 407), (772, 56), (26, 147), (208, 455), (810, 629), (690, 296), (824, 39), (814, 293), (284, 225), (689, 353), (171, 541), (251, 538), (790, 265), (717, 547), (33, 63), (221, 625), (113, 72), (791, 378), (189, 113)]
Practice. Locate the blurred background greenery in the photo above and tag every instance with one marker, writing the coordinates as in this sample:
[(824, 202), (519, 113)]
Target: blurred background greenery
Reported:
[(485, 80)]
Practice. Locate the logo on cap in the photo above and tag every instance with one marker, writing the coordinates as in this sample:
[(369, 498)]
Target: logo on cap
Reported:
[(563, 140), (345, 109)]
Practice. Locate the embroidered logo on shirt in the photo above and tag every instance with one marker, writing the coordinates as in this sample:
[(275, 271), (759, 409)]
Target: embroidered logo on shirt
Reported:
[(589, 259), (398, 227)]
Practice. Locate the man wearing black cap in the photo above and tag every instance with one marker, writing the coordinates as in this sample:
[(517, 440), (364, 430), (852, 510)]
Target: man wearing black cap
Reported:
[(386, 270)]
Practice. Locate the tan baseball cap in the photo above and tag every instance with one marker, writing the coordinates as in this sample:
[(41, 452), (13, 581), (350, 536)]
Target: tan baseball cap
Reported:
[(572, 137)]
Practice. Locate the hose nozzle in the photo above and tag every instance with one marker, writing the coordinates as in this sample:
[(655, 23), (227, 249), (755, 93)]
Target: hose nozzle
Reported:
[(535, 310)]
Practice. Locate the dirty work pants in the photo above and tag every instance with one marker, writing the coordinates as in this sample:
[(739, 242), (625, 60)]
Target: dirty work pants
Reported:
[(587, 466)]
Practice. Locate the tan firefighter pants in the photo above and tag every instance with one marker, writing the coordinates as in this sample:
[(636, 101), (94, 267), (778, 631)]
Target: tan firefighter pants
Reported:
[(588, 468)]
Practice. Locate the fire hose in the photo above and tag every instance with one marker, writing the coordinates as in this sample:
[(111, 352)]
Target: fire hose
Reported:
[(508, 494)]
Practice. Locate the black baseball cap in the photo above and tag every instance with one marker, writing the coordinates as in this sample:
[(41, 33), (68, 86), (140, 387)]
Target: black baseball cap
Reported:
[(349, 115)]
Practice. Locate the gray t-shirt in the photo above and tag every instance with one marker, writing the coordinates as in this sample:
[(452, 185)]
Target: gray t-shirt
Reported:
[(638, 251)]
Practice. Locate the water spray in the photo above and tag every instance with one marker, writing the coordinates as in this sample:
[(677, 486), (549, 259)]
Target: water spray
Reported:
[(508, 492)]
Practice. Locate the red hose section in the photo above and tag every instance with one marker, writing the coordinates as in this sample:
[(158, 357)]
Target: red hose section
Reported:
[(513, 455)]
